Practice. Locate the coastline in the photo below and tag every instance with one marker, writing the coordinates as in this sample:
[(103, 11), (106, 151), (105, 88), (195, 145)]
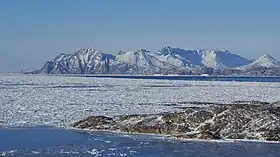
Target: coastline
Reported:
[(76, 142), (158, 136), (258, 122), (163, 136)]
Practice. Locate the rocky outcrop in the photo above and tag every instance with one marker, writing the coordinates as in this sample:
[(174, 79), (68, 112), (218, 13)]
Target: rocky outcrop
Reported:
[(258, 121)]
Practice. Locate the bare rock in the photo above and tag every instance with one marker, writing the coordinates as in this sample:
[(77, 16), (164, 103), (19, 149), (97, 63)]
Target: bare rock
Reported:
[(259, 121)]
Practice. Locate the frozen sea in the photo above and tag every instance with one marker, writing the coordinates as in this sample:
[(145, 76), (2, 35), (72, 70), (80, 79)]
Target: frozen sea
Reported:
[(58, 100), (31, 100)]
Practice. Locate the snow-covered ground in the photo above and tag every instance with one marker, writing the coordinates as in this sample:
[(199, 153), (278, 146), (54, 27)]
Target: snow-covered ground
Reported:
[(58, 100)]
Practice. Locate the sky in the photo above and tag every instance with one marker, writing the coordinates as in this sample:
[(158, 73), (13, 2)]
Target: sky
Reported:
[(34, 31)]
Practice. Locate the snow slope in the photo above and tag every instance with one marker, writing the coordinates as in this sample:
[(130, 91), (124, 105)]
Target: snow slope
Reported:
[(266, 61), (140, 59), (168, 60), (198, 58), (83, 61)]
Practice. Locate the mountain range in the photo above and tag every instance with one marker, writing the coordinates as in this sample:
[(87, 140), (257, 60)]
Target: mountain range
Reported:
[(167, 60)]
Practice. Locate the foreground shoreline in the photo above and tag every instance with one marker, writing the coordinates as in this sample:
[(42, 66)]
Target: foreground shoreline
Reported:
[(164, 136), (69, 142), (157, 136), (234, 122)]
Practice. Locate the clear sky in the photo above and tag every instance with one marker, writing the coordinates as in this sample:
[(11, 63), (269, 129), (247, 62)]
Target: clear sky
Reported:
[(33, 31)]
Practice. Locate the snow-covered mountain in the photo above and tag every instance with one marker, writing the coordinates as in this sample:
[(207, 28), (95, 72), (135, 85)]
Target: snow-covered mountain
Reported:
[(140, 59), (201, 58), (83, 61), (168, 60), (266, 61)]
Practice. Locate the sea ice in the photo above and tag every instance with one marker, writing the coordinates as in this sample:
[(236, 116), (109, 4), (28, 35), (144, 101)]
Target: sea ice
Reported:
[(59, 100)]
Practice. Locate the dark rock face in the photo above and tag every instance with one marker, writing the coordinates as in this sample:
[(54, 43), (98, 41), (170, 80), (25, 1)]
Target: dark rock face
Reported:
[(236, 121), (97, 121)]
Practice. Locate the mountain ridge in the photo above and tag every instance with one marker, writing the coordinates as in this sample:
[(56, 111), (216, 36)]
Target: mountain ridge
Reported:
[(167, 60), (266, 61)]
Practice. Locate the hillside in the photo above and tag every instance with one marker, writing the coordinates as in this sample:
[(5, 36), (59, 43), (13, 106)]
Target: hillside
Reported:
[(167, 60)]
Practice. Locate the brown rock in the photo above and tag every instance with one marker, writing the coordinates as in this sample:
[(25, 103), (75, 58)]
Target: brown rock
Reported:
[(94, 122)]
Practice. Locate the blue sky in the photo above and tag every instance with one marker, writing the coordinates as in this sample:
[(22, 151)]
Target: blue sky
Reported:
[(33, 31)]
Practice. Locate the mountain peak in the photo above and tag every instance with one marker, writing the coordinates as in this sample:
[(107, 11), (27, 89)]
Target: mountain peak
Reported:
[(267, 56), (167, 48), (143, 61), (213, 58), (143, 50), (265, 61), (214, 51), (87, 50)]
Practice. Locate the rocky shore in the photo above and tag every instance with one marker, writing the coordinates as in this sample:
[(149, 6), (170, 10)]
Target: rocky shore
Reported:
[(239, 120)]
